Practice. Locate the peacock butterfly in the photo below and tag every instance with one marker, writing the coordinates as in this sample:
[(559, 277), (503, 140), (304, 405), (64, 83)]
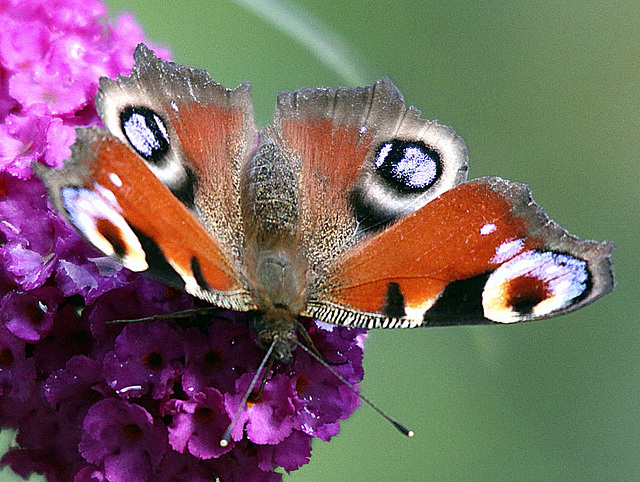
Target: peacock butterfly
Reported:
[(349, 209)]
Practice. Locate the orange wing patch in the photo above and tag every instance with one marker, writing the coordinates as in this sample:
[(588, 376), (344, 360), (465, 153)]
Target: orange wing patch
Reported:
[(159, 215), (466, 231)]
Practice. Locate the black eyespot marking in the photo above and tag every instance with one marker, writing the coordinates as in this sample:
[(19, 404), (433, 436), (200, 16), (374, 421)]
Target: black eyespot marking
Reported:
[(393, 306), (146, 132), (113, 235), (396, 182), (198, 275), (408, 166)]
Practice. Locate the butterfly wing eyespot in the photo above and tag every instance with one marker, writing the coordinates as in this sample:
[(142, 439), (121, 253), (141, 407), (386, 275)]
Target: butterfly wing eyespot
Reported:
[(408, 165), (535, 284), (148, 135), (404, 173), (146, 132), (98, 218)]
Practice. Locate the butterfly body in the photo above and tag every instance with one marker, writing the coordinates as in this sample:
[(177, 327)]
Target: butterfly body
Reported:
[(274, 268), (349, 208)]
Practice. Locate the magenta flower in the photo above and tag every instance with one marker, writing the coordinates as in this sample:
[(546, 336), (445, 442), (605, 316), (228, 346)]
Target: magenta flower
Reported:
[(198, 424), (145, 359), (93, 400), (123, 438), (269, 419)]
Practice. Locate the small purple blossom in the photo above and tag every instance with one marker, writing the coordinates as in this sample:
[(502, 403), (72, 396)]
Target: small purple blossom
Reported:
[(28, 231), (123, 438), (198, 424), (17, 377), (94, 400), (291, 453), (218, 358), (269, 418), (30, 314), (145, 359)]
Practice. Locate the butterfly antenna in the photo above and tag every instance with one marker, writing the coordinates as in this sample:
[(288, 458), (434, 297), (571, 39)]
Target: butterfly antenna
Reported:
[(224, 441), (168, 316), (401, 428)]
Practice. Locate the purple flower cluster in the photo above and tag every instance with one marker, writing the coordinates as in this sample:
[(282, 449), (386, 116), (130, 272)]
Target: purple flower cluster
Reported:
[(93, 400)]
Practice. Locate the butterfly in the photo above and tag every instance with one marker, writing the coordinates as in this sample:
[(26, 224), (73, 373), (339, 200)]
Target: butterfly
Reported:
[(349, 209)]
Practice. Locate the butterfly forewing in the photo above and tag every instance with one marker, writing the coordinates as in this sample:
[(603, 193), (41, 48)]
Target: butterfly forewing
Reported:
[(480, 252)]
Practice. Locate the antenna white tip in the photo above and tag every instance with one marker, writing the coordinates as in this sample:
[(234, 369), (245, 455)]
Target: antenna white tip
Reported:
[(224, 443)]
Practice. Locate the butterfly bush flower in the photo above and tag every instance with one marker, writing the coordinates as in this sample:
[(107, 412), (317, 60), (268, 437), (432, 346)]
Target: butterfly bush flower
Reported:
[(93, 400)]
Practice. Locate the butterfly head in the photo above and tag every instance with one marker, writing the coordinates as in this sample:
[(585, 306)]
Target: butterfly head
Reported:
[(277, 326)]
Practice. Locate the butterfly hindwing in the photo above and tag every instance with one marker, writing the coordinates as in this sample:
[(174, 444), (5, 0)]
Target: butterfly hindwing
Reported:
[(343, 139), (210, 134)]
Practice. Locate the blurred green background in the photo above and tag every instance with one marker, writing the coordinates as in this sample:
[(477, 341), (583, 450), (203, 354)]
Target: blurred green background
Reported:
[(543, 92)]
